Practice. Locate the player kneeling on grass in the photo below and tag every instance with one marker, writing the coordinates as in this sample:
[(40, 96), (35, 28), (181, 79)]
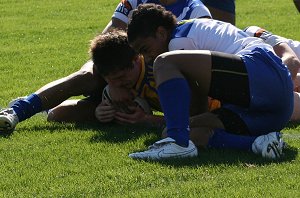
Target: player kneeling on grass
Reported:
[(125, 73), (220, 61), (293, 55)]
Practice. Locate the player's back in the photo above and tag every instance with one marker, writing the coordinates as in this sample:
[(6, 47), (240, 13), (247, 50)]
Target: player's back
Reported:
[(213, 35)]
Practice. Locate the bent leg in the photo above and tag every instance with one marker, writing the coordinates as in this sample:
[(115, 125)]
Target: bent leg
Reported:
[(83, 82), (73, 111), (170, 71), (194, 65), (197, 67)]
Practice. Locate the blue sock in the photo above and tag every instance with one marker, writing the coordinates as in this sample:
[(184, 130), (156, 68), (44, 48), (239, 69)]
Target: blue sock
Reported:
[(27, 107), (175, 97), (222, 139)]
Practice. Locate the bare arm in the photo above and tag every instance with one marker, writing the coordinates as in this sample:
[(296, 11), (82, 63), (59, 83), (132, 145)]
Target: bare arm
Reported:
[(115, 23), (140, 117), (288, 57)]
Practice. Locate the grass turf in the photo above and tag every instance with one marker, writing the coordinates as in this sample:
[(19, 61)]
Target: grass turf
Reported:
[(45, 40)]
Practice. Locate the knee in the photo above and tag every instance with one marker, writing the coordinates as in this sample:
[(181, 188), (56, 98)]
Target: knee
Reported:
[(162, 64), (158, 62)]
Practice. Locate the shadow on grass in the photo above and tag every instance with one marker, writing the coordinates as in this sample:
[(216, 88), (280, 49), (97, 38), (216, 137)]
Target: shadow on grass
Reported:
[(228, 157), (113, 133), (119, 134)]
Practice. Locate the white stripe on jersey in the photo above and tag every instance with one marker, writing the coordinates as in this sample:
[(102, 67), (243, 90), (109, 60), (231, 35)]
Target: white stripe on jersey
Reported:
[(213, 35)]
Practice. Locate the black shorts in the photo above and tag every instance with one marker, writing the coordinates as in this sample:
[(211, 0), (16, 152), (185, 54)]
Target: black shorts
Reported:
[(229, 84)]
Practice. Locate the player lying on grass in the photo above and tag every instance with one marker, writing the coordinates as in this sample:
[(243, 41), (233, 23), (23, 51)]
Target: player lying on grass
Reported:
[(128, 71), (79, 82), (66, 111), (222, 62)]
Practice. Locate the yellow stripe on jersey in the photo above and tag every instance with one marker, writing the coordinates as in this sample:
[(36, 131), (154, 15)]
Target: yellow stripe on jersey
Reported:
[(146, 87)]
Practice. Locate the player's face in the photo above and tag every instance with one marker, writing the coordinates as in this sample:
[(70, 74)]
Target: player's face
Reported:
[(126, 78), (150, 47)]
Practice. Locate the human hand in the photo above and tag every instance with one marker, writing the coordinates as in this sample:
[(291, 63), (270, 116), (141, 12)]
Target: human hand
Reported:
[(121, 98), (136, 116), (105, 112)]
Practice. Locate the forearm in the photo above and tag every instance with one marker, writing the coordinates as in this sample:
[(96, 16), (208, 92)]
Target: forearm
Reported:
[(115, 24)]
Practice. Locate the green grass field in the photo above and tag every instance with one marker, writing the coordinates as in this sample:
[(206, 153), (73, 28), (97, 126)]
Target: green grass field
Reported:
[(42, 41)]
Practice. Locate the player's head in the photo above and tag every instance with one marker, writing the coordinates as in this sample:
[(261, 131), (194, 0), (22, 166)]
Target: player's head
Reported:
[(110, 52), (114, 59), (149, 30)]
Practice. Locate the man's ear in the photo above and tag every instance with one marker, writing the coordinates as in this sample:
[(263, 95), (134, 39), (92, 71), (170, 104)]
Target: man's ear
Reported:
[(161, 33)]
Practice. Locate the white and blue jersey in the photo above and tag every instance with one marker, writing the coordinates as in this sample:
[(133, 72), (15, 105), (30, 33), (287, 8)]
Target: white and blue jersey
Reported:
[(213, 35), (270, 84), (182, 9)]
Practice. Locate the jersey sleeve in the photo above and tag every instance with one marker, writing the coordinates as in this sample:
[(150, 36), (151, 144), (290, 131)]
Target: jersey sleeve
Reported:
[(182, 43), (124, 10)]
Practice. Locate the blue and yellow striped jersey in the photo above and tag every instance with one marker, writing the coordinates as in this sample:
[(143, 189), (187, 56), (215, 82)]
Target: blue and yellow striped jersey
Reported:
[(146, 87)]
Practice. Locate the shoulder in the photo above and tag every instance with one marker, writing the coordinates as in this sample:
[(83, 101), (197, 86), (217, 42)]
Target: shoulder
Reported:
[(183, 28)]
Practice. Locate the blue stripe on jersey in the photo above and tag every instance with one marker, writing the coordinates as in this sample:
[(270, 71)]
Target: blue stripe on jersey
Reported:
[(183, 28), (178, 7), (189, 12)]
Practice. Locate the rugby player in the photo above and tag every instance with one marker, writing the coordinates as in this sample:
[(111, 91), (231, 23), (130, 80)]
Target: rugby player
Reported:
[(86, 81), (224, 63), (127, 72)]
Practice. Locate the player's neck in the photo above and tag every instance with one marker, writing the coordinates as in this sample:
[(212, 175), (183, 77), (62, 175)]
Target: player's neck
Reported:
[(167, 2)]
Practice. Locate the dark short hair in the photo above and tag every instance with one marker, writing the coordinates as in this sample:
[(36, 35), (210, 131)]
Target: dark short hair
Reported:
[(111, 52), (147, 18)]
